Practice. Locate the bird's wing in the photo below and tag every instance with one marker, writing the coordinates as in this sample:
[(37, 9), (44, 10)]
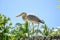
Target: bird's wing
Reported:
[(34, 18)]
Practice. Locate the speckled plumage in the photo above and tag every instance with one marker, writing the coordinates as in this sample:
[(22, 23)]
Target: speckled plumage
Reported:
[(31, 18), (34, 19)]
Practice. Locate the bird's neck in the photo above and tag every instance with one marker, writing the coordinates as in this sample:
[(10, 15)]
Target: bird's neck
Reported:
[(24, 17)]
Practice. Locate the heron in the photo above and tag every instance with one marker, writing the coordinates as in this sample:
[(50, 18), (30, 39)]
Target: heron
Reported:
[(31, 18)]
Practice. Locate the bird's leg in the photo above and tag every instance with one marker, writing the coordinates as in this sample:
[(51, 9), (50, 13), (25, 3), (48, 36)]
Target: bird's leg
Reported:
[(37, 30), (28, 27), (33, 29)]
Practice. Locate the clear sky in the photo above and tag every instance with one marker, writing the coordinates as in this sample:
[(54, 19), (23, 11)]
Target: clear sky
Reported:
[(45, 9)]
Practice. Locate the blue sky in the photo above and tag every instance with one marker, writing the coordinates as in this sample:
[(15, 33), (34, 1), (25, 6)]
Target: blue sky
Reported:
[(45, 9)]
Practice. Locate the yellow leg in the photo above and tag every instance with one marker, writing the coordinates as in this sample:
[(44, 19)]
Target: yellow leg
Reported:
[(33, 27), (37, 30)]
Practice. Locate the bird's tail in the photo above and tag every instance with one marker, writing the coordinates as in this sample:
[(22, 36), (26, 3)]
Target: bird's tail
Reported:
[(42, 21)]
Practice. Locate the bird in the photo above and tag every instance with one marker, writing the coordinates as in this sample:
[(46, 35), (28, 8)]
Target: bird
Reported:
[(31, 18)]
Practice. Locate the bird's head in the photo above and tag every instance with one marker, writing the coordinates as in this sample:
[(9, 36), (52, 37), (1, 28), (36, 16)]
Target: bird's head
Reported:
[(22, 14)]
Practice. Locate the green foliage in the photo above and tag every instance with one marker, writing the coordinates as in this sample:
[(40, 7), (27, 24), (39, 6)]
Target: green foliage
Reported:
[(7, 32), (49, 32), (21, 31), (45, 31), (57, 33), (4, 28)]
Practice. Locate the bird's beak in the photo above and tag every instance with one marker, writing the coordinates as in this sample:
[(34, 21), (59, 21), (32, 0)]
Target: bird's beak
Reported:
[(18, 16)]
